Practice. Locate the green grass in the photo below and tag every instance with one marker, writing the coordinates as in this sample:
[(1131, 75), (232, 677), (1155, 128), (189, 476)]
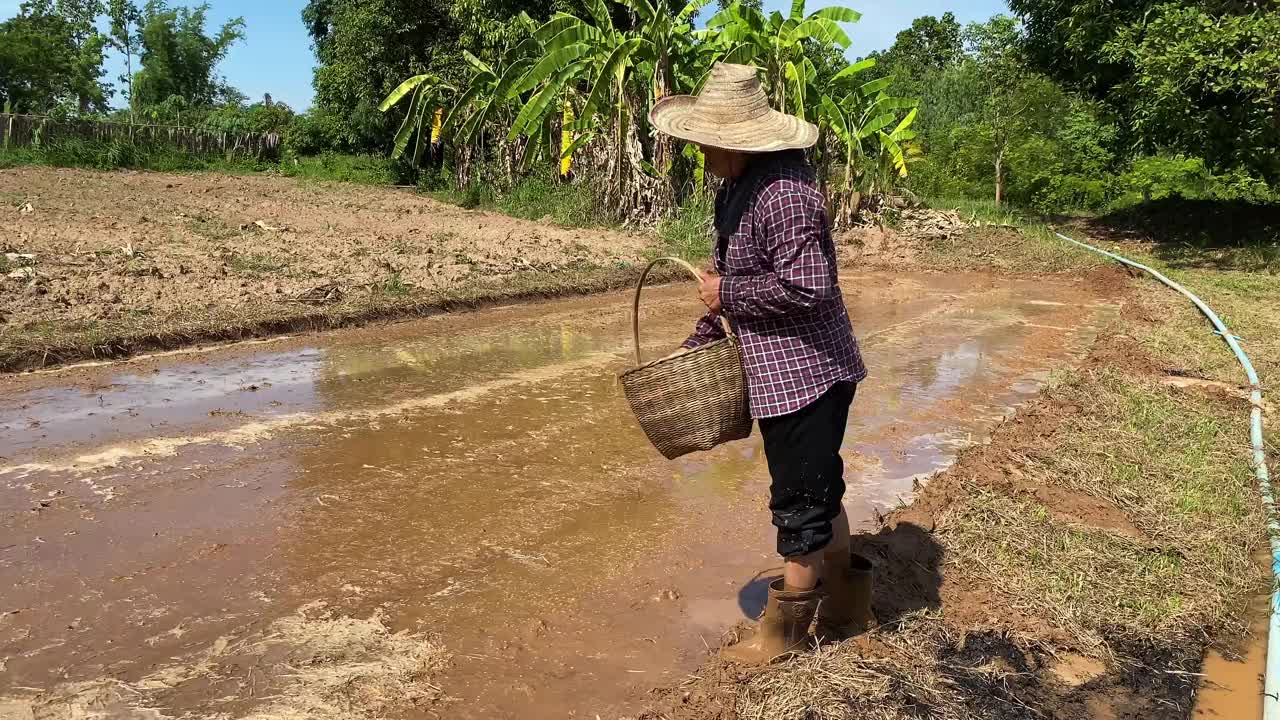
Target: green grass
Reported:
[(686, 233), (568, 204), (978, 210), (335, 167), (332, 167), (116, 155)]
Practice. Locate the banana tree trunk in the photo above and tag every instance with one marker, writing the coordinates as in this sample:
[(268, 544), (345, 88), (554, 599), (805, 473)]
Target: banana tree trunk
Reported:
[(566, 139)]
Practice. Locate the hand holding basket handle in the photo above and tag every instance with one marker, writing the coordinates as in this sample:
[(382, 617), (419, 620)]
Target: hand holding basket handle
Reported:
[(693, 400)]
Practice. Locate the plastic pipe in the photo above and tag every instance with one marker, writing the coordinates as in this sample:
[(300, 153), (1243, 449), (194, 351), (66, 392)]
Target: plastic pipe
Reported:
[(1271, 684)]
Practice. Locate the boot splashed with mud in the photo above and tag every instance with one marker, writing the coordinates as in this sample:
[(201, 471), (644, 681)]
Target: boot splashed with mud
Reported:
[(846, 609), (783, 629)]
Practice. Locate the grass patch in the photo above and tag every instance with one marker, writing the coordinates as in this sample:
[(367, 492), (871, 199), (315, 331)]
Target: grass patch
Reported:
[(212, 228), (395, 286), (336, 167), (116, 155), (1094, 583), (256, 264), (568, 204), (687, 233)]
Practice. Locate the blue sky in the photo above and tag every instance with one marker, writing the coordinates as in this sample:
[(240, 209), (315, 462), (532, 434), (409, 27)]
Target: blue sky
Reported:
[(276, 55)]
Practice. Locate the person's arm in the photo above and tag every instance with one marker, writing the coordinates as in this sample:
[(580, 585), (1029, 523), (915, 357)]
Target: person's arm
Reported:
[(707, 330), (791, 228)]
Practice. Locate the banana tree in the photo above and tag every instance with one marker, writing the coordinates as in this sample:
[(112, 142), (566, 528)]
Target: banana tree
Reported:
[(427, 93), (777, 44), (858, 116), (613, 68)]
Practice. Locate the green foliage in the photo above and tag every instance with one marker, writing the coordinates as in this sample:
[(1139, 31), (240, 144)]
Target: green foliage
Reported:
[(336, 167), (365, 48), (930, 43), (1175, 176), (537, 197), (116, 155), (178, 58), (1197, 77), (262, 117), (1206, 82), (51, 58), (686, 233)]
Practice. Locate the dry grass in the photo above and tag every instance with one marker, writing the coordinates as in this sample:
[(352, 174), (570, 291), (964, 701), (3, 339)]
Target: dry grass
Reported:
[(343, 668), (836, 682), (323, 667), (1098, 585), (1007, 248)]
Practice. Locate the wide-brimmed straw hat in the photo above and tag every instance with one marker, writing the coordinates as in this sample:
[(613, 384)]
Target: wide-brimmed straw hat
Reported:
[(732, 112)]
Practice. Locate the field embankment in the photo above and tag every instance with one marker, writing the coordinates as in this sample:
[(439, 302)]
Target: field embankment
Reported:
[(1082, 563), (107, 264)]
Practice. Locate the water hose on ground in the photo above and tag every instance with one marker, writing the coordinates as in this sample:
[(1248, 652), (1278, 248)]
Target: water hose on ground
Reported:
[(1271, 685)]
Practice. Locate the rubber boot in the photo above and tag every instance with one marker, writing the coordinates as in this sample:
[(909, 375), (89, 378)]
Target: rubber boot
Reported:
[(783, 629), (846, 609)]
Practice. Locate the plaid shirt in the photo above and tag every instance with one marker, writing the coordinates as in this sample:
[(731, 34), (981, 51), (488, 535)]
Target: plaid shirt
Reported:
[(780, 287)]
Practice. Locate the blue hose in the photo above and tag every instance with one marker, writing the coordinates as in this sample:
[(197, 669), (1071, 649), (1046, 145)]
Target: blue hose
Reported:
[(1271, 685)]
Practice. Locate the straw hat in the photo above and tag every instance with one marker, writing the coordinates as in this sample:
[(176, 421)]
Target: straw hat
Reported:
[(732, 112)]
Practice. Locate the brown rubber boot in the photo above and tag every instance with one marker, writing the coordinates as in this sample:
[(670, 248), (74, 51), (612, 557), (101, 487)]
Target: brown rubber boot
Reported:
[(783, 629), (846, 610)]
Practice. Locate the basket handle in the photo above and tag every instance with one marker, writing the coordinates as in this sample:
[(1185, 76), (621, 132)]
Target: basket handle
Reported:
[(635, 306)]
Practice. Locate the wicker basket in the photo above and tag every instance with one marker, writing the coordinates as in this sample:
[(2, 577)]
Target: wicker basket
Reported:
[(693, 401)]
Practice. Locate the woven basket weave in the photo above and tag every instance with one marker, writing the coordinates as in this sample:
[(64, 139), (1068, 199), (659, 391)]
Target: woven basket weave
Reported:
[(693, 401)]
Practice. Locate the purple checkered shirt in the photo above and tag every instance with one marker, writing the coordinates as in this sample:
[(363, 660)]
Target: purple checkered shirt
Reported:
[(780, 287)]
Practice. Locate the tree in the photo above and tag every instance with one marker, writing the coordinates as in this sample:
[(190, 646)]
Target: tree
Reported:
[(1195, 77), (1205, 83), (1014, 99), (178, 58), (366, 48), (125, 37), (51, 57), (930, 43), (778, 44)]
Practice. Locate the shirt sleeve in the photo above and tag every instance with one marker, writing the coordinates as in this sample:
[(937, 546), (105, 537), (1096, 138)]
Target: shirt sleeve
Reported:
[(790, 230), (707, 330)]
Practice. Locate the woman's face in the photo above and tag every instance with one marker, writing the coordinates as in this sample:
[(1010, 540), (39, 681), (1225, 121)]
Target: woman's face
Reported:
[(723, 163)]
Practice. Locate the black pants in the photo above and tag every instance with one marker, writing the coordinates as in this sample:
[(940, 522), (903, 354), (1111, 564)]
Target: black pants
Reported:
[(803, 451)]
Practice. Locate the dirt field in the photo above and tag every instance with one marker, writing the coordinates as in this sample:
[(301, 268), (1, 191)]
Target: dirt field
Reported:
[(97, 262), (455, 516)]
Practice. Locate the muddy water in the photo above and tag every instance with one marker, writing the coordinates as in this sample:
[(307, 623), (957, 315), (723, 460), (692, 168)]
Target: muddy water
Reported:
[(1232, 687), (476, 477)]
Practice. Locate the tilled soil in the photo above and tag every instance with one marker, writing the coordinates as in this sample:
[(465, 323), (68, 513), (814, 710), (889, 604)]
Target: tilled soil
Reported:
[(122, 251)]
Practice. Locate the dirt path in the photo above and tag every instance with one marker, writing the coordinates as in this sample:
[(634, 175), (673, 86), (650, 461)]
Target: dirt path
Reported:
[(93, 260), (181, 530)]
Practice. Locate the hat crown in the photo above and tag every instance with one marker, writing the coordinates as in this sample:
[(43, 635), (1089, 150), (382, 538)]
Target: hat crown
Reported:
[(732, 94)]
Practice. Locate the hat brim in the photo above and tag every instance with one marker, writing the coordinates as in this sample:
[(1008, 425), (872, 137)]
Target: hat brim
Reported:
[(771, 132)]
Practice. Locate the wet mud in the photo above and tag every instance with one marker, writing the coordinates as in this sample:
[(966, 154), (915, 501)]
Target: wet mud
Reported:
[(1232, 683), (474, 479)]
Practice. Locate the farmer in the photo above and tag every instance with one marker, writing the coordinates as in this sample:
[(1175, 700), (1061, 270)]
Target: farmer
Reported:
[(775, 277)]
